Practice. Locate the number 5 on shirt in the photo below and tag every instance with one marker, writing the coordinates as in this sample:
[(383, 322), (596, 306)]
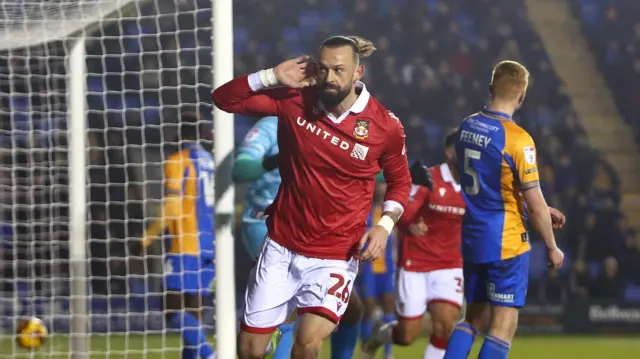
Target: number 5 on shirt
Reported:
[(469, 155)]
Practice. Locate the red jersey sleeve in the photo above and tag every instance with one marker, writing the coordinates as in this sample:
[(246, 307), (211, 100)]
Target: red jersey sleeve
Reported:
[(237, 96), (395, 165), (418, 198)]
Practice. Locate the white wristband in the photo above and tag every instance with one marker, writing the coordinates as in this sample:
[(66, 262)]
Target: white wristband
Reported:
[(387, 223), (268, 78)]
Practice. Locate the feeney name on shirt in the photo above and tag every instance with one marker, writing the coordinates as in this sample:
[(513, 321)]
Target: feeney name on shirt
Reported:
[(475, 138)]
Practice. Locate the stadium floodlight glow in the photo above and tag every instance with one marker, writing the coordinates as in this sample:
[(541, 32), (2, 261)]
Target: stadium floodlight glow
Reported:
[(81, 83)]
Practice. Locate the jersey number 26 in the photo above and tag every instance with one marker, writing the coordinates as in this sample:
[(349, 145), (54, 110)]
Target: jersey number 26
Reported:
[(469, 155)]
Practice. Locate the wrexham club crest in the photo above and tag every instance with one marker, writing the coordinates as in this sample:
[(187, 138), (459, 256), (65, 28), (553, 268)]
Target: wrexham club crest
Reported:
[(361, 131)]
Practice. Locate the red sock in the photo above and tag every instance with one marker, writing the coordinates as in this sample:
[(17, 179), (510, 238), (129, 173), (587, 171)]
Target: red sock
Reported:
[(438, 342)]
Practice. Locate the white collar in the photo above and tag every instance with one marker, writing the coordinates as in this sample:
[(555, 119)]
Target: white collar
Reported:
[(357, 107), (445, 172)]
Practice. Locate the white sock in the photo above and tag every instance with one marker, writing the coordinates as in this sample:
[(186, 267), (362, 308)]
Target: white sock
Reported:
[(385, 333), (433, 353), (212, 356)]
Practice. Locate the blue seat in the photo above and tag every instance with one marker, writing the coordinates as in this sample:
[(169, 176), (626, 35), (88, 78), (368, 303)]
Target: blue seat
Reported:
[(240, 39), (594, 269), (538, 262), (632, 293)]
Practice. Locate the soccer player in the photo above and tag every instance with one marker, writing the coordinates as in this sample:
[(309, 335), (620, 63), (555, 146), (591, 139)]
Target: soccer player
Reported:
[(430, 262), (257, 162), (187, 213), (496, 160), (334, 138), (377, 282)]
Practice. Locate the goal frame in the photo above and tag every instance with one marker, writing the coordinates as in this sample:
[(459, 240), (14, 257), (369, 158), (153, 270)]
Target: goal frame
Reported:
[(225, 304)]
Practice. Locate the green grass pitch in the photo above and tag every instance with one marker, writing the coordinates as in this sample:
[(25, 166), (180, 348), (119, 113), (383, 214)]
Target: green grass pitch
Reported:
[(168, 347)]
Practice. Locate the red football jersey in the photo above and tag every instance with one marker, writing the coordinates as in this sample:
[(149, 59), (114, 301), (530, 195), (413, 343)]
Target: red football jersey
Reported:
[(328, 165), (442, 211)]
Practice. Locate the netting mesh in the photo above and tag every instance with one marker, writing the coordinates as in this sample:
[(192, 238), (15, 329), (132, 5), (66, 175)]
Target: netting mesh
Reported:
[(146, 64), (31, 22)]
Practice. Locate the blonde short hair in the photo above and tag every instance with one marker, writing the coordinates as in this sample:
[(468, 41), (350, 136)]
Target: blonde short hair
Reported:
[(509, 79)]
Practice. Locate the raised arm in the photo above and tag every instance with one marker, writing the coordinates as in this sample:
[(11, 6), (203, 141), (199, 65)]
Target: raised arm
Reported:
[(245, 95), (260, 94)]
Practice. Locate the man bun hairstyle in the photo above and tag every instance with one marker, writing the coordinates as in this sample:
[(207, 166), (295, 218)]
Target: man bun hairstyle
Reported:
[(362, 48)]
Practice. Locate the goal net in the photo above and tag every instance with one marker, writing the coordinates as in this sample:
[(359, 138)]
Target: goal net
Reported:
[(146, 63)]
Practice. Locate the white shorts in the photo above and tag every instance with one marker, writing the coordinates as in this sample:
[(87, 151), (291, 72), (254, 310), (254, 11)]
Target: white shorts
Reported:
[(417, 290), (283, 281)]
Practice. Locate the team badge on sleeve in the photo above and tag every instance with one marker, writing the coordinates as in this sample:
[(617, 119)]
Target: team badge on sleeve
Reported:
[(530, 155), (361, 131), (252, 135)]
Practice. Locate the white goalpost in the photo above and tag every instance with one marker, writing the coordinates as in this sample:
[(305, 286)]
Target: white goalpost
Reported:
[(222, 19), (91, 92), (77, 199)]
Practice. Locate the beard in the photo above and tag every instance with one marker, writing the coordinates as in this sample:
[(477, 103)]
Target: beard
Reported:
[(333, 98)]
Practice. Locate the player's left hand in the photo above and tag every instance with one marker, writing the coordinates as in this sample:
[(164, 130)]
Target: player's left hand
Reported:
[(375, 239), (420, 175), (556, 257), (557, 218)]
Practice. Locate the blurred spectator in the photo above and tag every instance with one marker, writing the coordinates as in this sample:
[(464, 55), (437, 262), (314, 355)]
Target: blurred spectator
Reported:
[(609, 284), (628, 256), (612, 30), (553, 287), (579, 283)]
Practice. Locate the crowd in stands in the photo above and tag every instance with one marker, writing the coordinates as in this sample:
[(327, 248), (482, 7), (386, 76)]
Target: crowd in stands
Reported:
[(613, 31), (612, 28), (432, 69)]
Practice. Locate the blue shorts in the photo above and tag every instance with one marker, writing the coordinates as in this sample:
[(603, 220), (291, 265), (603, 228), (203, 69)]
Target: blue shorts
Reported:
[(500, 283), (253, 233), (374, 285), (189, 274)]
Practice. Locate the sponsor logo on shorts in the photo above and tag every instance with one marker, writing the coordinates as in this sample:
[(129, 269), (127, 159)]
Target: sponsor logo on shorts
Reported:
[(499, 297)]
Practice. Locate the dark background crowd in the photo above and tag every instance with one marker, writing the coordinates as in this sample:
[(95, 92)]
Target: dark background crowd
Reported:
[(432, 69)]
